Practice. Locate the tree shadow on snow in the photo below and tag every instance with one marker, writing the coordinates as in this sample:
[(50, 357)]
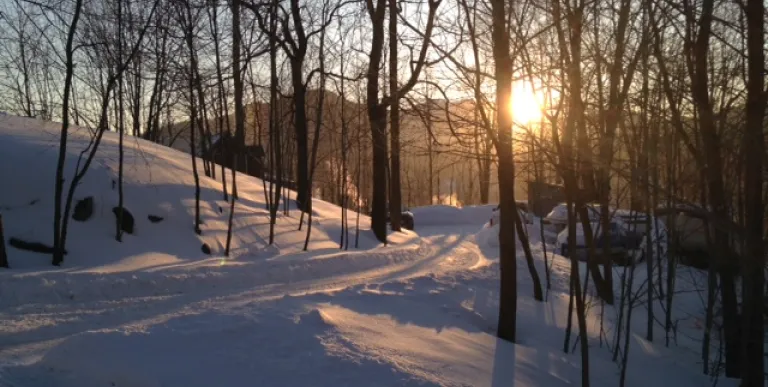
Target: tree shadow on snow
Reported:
[(212, 348)]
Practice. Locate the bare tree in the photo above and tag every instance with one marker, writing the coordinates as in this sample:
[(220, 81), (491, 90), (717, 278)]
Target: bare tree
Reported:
[(58, 239), (507, 206), (120, 124), (222, 113), (570, 52), (274, 130), (318, 123), (87, 155), (237, 149), (377, 108)]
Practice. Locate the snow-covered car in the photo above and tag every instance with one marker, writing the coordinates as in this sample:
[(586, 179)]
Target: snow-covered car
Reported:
[(627, 245), (557, 219), (620, 242), (522, 209), (634, 221)]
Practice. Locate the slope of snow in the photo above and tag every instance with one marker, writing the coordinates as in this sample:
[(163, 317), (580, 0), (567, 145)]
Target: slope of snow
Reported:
[(157, 181), (155, 311)]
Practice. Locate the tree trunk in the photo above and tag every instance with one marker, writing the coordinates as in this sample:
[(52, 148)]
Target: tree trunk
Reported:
[(239, 140), (753, 332), (300, 122), (359, 173), (231, 206), (120, 125), (610, 119), (507, 206), (569, 321), (235, 152), (519, 226), (204, 129), (274, 128), (395, 197), (574, 121), (189, 38), (378, 122), (136, 113), (58, 239), (223, 113), (192, 119), (316, 139), (712, 148), (430, 153), (377, 110), (344, 168), (644, 165), (628, 330), (3, 252)]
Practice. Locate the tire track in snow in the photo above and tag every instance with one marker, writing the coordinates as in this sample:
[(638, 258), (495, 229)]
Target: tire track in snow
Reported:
[(57, 304)]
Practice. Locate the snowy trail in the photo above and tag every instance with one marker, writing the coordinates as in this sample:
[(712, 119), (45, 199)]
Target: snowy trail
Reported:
[(428, 320), (58, 305)]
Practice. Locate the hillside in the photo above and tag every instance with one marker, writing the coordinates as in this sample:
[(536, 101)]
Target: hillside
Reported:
[(155, 311), (157, 181), (454, 164)]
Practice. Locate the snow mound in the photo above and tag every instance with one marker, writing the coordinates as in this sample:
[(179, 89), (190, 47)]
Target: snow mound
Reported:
[(488, 236), (444, 215), (315, 317), (158, 181)]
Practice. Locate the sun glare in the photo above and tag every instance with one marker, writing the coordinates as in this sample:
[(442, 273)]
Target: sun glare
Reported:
[(525, 104)]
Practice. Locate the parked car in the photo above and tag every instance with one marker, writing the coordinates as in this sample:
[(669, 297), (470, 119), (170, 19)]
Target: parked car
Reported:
[(621, 243), (627, 236), (557, 219), (690, 231), (634, 221)]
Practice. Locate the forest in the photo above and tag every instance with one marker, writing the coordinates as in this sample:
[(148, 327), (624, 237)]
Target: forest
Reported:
[(380, 106)]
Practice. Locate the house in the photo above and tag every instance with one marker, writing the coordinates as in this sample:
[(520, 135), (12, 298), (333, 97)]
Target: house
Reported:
[(543, 197), (221, 151)]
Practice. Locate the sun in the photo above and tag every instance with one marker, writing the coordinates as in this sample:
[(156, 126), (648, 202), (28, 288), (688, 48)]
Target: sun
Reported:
[(525, 104)]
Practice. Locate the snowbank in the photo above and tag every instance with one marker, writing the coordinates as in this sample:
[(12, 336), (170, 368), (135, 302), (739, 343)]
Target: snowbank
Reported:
[(444, 215), (157, 181), (488, 236), (166, 257)]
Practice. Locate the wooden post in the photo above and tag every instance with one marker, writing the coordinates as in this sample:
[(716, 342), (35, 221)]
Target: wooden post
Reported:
[(3, 254)]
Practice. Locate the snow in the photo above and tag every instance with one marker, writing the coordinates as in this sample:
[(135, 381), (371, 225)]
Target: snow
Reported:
[(560, 213), (155, 311), (157, 181), (445, 215)]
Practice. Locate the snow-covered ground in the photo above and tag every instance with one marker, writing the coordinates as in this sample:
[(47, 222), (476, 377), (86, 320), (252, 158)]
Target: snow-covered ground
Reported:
[(155, 311)]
